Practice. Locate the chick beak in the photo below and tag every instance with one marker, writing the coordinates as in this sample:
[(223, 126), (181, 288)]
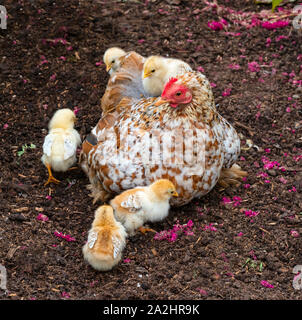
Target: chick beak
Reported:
[(160, 102), (108, 67), (175, 194), (147, 74)]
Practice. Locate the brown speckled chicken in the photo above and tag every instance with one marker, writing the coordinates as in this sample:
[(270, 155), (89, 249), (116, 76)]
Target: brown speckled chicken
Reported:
[(179, 136), (126, 81)]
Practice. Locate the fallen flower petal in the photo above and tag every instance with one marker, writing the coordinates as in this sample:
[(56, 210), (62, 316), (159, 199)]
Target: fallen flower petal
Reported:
[(274, 25), (294, 233), (226, 92), (65, 295), (234, 66), (214, 25), (253, 66), (76, 110), (202, 291), (226, 200), (210, 227), (250, 213), (42, 217), (66, 237), (293, 189), (266, 284)]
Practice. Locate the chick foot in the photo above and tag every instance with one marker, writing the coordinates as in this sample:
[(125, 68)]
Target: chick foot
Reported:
[(144, 230), (51, 178), (73, 168)]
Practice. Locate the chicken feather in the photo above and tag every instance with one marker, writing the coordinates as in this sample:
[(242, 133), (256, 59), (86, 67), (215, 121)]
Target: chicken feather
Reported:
[(125, 82)]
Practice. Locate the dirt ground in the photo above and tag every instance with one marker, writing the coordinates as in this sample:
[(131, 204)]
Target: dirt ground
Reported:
[(245, 241)]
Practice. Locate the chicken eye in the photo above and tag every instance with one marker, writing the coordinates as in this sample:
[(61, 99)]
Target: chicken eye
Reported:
[(178, 93)]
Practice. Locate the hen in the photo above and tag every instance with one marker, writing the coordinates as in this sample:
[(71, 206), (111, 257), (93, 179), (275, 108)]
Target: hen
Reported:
[(125, 82), (179, 136)]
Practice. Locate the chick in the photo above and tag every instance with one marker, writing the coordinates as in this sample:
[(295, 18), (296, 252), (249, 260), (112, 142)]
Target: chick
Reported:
[(111, 59), (60, 145), (106, 240), (136, 206), (158, 70)]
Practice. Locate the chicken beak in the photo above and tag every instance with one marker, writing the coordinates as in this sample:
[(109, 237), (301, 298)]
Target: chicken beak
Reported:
[(159, 102), (147, 74), (175, 194), (108, 67)]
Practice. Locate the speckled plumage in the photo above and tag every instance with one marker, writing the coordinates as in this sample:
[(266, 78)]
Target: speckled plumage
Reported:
[(203, 143), (126, 81)]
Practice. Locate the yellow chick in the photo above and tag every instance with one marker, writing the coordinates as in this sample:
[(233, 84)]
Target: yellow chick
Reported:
[(106, 240), (158, 70), (111, 59), (136, 206), (60, 145)]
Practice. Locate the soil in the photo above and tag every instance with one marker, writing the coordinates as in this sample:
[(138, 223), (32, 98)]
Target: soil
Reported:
[(50, 58)]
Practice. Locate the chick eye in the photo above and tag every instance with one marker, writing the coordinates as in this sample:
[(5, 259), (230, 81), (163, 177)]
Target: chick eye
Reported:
[(178, 93), (171, 191), (153, 70), (112, 61)]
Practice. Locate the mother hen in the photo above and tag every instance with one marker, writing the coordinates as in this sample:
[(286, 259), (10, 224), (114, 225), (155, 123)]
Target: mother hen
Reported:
[(179, 136)]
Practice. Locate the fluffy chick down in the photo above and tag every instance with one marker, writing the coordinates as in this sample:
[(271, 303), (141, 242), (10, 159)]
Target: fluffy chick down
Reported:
[(106, 240), (60, 145), (158, 70), (136, 206), (112, 60)]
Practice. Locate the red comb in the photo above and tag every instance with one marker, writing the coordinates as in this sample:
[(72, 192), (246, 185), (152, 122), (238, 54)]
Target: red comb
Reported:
[(169, 85)]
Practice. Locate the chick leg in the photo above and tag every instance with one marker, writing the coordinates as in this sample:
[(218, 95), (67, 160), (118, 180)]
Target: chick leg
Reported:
[(144, 230), (51, 178), (73, 168)]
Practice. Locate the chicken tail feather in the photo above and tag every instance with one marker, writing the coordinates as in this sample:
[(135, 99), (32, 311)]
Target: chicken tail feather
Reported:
[(231, 176)]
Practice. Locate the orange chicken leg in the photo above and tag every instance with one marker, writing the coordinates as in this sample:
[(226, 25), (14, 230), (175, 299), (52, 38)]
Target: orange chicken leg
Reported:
[(51, 178), (144, 230)]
